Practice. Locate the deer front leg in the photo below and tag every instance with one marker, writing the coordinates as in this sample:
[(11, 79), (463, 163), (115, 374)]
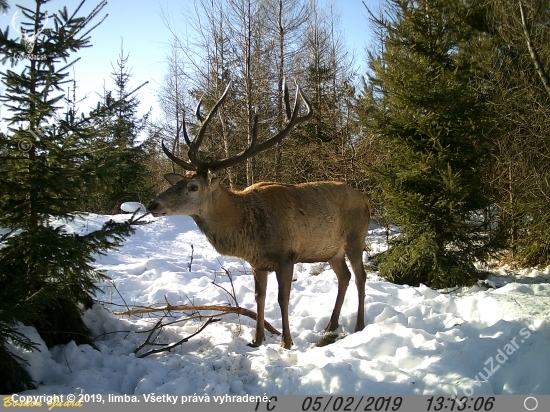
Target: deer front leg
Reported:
[(284, 278), (260, 285)]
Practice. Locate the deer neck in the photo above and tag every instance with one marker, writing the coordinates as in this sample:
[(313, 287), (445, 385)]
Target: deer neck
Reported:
[(223, 222)]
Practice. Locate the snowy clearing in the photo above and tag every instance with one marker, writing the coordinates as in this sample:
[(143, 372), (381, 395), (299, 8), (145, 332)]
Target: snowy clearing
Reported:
[(417, 340)]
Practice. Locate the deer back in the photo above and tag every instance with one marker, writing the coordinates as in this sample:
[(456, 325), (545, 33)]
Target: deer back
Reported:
[(268, 222)]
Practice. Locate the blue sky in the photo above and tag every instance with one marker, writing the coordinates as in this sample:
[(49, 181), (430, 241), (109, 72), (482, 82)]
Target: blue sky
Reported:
[(146, 39)]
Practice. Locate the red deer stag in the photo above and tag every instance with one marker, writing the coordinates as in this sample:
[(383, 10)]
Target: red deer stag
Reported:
[(272, 226)]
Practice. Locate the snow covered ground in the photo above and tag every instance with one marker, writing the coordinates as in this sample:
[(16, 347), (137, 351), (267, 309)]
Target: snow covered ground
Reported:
[(417, 340)]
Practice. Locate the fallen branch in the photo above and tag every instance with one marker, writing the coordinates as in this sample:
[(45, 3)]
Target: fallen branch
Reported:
[(225, 310), (170, 347)]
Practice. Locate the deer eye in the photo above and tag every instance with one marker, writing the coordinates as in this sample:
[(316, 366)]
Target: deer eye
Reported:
[(192, 188)]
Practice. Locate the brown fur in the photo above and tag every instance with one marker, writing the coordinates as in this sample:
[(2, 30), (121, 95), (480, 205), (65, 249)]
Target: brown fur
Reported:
[(272, 226)]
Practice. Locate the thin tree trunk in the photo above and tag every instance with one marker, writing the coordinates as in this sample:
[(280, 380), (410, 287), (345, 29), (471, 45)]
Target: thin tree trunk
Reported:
[(280, 76), (532, 52)]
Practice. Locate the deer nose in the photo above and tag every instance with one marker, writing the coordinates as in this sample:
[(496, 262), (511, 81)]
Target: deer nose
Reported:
[(151, 206)]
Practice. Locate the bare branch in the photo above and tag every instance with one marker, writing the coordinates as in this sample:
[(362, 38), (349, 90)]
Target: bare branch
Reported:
[(119, 294), (224, 310), (189, 265), (148, 339), (170, 347)]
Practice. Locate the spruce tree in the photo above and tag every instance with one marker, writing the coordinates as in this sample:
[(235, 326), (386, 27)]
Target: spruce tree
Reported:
[(46, 162), (121, 163), (425, 108)]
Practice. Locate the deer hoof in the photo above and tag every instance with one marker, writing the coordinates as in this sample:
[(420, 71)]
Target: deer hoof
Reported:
[(286, 345), (256, 342)]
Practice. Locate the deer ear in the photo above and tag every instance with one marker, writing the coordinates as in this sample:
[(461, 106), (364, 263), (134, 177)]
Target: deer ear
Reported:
[(173, 178)]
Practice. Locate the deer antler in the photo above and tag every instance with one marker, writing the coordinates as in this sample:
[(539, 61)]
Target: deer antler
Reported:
[(177, 160), (292, 117)]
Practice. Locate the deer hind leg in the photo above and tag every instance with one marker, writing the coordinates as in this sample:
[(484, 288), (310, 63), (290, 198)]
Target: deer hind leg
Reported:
[(355, 256), (338, 264), (284, 278), (260, 286)]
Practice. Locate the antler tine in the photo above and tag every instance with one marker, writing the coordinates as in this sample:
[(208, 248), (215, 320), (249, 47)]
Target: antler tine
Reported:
[(293, 119), (203, 123), (198, 112), (177, 160), (185, 135)]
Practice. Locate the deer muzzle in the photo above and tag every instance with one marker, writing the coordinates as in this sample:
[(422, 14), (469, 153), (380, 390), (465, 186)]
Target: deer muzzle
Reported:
[(155, 209)]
